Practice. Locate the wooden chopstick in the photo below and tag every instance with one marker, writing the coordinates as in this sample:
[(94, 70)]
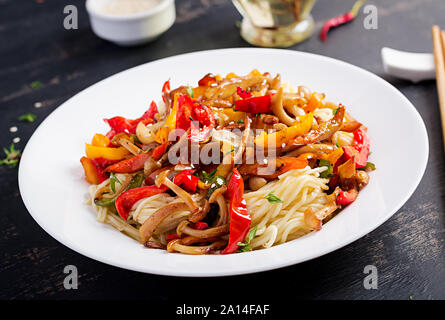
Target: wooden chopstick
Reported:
[(439, 58)]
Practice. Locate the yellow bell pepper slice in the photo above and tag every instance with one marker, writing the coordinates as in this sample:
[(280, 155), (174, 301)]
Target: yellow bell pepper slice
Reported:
[(104, 152), (255, 73), (231, 75), (286, 135), (228, 114), (170, 124), (99, 140)]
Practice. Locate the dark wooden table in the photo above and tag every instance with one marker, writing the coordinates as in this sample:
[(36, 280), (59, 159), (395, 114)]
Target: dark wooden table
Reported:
[(408, 250)]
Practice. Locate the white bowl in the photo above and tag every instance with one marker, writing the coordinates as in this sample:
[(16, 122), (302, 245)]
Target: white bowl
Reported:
[(133, 29)]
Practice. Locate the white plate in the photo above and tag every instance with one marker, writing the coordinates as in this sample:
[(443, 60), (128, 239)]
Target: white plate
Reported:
[(53, 187)]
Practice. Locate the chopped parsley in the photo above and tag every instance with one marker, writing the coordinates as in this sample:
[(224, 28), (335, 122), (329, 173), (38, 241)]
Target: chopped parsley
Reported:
[(245, 246), (240, 121), (12, 157), (28, 117), (273, 198), (334, 111)]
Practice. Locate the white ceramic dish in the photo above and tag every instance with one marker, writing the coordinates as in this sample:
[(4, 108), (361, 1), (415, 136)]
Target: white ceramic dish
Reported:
[(133, 29), (53, 187)]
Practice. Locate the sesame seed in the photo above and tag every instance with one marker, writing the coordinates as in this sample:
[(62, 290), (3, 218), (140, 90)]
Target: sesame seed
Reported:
[(13, 129), (38, 104), (16, 140)]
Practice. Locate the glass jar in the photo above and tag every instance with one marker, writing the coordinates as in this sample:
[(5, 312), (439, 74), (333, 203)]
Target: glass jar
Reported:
[(275, 23)]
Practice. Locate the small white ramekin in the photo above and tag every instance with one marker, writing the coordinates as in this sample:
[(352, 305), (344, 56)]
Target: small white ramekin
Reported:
[(134, 29)]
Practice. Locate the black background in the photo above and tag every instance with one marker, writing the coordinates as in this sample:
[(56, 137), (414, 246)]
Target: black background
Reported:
[(34, 46)]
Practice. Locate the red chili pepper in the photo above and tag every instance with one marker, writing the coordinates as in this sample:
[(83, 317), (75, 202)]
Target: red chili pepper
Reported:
[(121, 124), (359, 148), (193, 115), (129, 165), (239, 217), (340, 20), (187, 180), (250, 104), (346, 197), (165, 90), (199, 225), (126, 200)]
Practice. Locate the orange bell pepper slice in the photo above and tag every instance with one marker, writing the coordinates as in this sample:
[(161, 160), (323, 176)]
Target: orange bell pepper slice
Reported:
[(90, 169), (100, 140)]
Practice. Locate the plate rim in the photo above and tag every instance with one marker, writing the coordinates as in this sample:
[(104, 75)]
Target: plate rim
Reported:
[(254, 269)]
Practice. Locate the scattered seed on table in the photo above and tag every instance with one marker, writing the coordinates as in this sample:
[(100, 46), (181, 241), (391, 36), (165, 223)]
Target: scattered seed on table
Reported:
[(38, 104), (13, 129), (16, 140)]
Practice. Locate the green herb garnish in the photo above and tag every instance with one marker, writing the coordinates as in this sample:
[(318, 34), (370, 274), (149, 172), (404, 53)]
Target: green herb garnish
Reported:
[(336, 144), (191, 119), (327, 173), (190, 92), (208, 177), (149, 149), (273, 198), (245, 246), (35, 84), (135, 182), (135, 139), (368, 167), (216, 183), (28, 117), (334, 111), (113, 180), (240, 121), (12, 156)]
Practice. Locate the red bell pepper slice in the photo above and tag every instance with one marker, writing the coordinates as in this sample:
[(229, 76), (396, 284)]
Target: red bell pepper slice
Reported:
[(101, 164), (346, 197), (188, 181), (129, 165), (243, 93), (121, 124), (239, 217), (165, 90), (126, 200), (359, 148), (172, 236), (159, 151), (193, 115), (199, 225), (250, 104)]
